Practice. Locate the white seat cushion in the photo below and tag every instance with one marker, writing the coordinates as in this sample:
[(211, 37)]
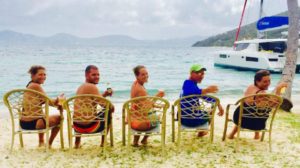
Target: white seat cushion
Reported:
[(204, 126)]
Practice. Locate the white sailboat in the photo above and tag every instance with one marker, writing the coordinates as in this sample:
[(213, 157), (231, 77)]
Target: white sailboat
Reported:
[(257, 53)]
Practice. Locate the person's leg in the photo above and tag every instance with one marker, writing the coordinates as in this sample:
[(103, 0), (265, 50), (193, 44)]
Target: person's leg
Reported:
[(256, 135), (202, 133), (40, 125), (54, 120), (233, 132), (77, 142), (136, 140), (145, 140)]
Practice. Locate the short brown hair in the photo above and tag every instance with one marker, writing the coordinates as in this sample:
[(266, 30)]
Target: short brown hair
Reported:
[(136, 70), (35, 68), (89, 67), (260, 74)]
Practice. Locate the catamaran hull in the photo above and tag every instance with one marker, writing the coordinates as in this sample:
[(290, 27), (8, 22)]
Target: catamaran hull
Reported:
[(247, 60), (251, 69)]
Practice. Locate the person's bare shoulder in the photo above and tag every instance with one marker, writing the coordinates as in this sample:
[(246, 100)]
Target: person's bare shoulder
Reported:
[(137, 90), (250, 89), (36, 87), (88, 88)]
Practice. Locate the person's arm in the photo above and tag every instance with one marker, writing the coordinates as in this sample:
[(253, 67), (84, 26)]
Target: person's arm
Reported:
[(92, 89), (160, 94), (279, 87), (37, 87), (210, 89), (221, 110)]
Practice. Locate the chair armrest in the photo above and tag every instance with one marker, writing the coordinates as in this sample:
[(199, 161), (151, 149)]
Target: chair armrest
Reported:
[(228, 107)]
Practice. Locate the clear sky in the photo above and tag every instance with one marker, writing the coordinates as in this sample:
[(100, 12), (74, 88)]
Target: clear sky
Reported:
[(142, 19)]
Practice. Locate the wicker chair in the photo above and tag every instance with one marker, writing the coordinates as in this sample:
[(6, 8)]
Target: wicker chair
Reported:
[(27, 103), (253, 108), (88, 108), (146, 109), (194, 107)]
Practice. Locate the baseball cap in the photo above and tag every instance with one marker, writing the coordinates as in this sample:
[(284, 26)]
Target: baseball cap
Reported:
[(197, 67)]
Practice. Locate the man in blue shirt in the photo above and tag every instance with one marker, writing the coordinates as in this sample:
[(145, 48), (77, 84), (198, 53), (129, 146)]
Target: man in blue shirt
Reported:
[(190, 87)]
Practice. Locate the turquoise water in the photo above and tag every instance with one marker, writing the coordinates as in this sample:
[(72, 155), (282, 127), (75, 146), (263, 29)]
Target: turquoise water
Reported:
[(168, 68)]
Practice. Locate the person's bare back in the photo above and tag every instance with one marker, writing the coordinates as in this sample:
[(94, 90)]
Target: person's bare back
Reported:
[(138, 90), (88, 88)]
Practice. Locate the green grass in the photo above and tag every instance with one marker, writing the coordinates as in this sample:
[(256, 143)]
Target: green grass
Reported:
[(193, 152), (292, 121)]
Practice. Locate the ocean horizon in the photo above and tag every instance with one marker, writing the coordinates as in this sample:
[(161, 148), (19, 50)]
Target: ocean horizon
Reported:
[(168, 67)]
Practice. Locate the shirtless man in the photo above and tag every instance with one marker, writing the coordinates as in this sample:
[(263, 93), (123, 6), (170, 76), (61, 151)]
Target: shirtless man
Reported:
[(38, 77), (261, 84), (92, 77), (138, 90)]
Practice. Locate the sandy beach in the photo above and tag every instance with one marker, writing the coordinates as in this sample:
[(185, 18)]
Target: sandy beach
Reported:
[(194, 152)]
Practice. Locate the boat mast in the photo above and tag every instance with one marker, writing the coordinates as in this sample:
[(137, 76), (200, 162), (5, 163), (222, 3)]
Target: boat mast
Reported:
[(241, 20), (260, 34)]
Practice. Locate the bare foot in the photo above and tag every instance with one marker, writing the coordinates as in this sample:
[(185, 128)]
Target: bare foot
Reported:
[(77, 146), (102, 144), (230, 136), (256, 136), (135, 145), (144, 142), (41, 144), (202, 133)]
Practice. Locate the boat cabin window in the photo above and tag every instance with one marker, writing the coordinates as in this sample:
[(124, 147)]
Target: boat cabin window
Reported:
[(277, 46), (241, 46), (252, 59), (223, 56)]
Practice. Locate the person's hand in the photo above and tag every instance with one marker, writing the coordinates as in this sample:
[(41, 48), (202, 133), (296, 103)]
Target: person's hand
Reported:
[(282, 85), (280, 88), (112, 109), (108, 92), (59, 101), (221, 111), (212, 89), (160, 93)]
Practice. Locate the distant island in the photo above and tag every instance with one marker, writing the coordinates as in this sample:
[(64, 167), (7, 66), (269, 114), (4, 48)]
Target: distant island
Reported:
[(247, 32), (12, 38)]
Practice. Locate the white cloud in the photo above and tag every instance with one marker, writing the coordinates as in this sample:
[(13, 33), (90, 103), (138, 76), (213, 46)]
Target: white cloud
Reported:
[(139, 18)]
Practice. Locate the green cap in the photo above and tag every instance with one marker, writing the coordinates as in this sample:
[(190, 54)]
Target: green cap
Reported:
[(197, 67)]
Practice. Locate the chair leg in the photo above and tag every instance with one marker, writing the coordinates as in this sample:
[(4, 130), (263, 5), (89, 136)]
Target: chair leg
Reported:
[(105, 141), (270, 142), (179, 138), (163, 138), (123, 128), (21, 140), (163, 144), (212, 135), (12, 141), (47, 139), (262, 136), (70, 136), (173, 127), (111, 135), (128, 139), (61, 136), (237, 140), (225, 129)]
